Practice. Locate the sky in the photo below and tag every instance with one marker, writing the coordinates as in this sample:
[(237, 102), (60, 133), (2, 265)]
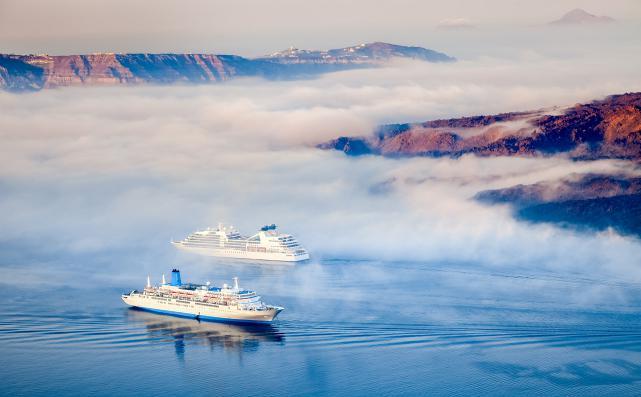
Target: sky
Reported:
[(252, 28)]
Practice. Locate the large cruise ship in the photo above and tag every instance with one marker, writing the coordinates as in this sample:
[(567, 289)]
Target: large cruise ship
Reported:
[(224, 241), (226, 304)]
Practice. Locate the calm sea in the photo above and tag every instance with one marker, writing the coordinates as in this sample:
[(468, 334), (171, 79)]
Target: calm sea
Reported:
[(350, 328)]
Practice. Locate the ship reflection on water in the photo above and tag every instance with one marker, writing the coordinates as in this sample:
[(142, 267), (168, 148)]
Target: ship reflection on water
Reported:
[(183, 332)]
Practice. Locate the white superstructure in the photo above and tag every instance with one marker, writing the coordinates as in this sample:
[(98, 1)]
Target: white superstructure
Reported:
[(227, 303), (224, 241)]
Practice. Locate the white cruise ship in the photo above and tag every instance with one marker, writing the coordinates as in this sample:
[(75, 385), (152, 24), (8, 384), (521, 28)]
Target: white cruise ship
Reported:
[(267, 244), (226, 304)]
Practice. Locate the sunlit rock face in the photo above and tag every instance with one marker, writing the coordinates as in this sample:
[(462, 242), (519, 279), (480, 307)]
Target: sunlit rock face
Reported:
[(34, 72), (610, 128), (44, 71)]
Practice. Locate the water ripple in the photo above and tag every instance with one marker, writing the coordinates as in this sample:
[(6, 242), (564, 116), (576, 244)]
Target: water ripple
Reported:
[(136, 329)]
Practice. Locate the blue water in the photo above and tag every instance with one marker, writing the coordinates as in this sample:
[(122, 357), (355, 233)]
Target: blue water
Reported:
[(349, 328)]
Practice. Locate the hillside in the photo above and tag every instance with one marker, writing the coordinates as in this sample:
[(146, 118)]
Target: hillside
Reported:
[(590, 201), (609, 128)]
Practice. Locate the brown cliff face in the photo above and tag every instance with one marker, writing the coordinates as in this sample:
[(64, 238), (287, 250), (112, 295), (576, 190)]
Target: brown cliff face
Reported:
[(101, 69), (610, 128), (112, 69), (417, 142), (33, 72)]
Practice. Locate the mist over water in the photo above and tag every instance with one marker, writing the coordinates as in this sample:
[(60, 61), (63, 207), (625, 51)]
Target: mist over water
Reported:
[(408, 274), (106, 170)]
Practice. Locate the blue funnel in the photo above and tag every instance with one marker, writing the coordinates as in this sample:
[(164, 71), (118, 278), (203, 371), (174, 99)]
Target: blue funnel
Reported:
[(175, 278)]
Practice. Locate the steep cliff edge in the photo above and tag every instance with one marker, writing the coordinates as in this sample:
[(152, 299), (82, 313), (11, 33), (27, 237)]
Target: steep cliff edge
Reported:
[(111, 69), (34, 72)]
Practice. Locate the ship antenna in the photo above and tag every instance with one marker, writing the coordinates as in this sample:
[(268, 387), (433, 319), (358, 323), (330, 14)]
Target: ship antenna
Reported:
[(148, 282)]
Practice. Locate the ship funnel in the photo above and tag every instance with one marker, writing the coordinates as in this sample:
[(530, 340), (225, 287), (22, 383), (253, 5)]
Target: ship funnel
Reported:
[(175, 278), (163, 279), (236, 283), (148, 282)]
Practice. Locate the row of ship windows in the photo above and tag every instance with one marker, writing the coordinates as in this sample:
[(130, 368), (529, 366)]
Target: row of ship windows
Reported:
[(217, 242), (183, 301), (255, 241), (236, 250), (207, 304), (235, 246), (216, 238), (238, 241)]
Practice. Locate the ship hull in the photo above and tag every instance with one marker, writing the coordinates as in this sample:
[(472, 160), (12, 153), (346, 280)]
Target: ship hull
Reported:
[(191, 310), (235, 254)]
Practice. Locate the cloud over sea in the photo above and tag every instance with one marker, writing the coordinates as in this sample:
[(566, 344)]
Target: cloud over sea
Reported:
[(111, 171)]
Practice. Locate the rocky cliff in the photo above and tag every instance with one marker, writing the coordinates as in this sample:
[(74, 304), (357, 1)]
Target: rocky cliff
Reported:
[(34, 72), (609, 128)]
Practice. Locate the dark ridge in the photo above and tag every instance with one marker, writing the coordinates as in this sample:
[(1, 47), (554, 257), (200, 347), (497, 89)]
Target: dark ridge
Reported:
[(621, 213), (351, 146), (588, 201)]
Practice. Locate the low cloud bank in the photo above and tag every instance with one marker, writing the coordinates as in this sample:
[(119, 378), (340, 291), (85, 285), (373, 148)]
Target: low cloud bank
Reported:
[(112, 171)]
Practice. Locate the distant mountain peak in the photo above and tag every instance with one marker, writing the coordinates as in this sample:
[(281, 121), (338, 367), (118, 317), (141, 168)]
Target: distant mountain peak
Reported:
[(579, 16)]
